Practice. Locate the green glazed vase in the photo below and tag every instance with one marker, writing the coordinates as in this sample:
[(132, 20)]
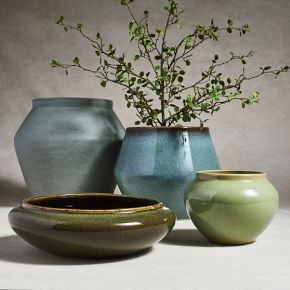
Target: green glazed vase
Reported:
[(69, 145), (231, 207)]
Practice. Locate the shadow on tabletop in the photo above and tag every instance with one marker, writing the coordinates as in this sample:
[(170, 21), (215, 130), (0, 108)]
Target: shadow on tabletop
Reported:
[(188, 237), (11, 193), (15, 250)]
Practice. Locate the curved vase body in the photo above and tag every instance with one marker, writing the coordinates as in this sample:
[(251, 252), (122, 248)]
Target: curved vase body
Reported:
[(161, 162), (69, 145), (231, 207)]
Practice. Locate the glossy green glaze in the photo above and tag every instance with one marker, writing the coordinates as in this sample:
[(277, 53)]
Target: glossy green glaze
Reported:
[(102, 226), (231, 207)]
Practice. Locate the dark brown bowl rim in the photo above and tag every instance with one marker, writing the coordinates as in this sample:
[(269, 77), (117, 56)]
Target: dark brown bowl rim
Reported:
[(165, 128), (27, 205)]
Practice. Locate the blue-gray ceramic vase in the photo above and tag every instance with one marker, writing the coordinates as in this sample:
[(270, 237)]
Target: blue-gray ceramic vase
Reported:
[(69, 145), (160, 162)]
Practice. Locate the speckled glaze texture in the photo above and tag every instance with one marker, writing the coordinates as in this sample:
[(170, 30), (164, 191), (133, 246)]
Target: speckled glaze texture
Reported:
[(92, 234), (161, 162), (69, 145), (231, 207)]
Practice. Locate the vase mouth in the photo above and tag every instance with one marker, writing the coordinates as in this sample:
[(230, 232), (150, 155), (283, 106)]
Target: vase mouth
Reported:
[(166, 128), (230, 174), (72, 102), (91, 203)]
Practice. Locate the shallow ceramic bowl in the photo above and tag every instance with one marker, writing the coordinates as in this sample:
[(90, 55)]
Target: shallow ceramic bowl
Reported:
[(91, 225)]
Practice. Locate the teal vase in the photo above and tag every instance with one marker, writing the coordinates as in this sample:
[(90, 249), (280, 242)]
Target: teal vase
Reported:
[(160, 162), (69, 145)]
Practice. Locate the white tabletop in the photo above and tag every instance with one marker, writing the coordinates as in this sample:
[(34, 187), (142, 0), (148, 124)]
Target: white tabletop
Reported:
[(184, 260)]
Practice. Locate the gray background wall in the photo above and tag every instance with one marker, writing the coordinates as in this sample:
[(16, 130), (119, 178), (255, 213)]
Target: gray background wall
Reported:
[(257, 138)]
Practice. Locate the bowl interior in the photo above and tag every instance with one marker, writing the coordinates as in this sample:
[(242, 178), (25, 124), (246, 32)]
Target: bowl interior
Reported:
[(93, 202)]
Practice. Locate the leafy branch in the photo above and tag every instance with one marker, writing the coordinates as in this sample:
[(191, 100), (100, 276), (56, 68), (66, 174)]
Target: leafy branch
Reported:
[(165, 78)]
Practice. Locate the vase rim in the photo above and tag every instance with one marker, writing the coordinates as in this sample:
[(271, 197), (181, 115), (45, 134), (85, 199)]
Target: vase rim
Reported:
[(32, 203), (72, 101), (230, 174), (167, 128)]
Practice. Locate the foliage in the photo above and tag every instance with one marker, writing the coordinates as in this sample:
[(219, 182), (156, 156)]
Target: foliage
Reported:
[(165, 80)]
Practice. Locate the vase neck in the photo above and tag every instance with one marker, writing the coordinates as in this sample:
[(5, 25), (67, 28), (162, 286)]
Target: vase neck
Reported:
[(166, 129), (72, 102), (230, 175)]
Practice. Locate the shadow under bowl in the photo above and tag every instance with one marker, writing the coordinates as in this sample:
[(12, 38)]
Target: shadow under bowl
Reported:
[(92, 225)]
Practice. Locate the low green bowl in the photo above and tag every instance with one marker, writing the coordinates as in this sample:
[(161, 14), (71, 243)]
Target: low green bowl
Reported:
[(92, 225)]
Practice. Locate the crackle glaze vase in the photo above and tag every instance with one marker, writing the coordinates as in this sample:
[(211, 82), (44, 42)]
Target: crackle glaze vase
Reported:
[(160, 162), (69, 145), (231, 207)]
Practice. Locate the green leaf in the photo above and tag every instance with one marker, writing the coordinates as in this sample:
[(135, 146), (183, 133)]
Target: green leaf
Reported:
[(230, 23), (119, 68), (60, 20), (189, 101), (229, 30), (180, 79), (187, 62), (130, 25), (157, 57), (66, 72), (146, 12), (286, 67), (243, 61), (65, 28), (80, 26), (76, 60), (216, 57), (97, 52), (103, 83), (267, 67), (246, 26), (137, 123), (136, 57), (120, 77), (53, 62), (243, 104)]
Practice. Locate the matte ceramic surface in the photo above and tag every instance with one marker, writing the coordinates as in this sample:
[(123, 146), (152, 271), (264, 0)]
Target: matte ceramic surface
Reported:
[(92, 225), (231, 207), (69, 145), (160, 162)]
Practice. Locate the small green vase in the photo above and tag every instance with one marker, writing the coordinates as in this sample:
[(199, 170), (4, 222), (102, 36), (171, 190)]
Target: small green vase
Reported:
[(231, 207)]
